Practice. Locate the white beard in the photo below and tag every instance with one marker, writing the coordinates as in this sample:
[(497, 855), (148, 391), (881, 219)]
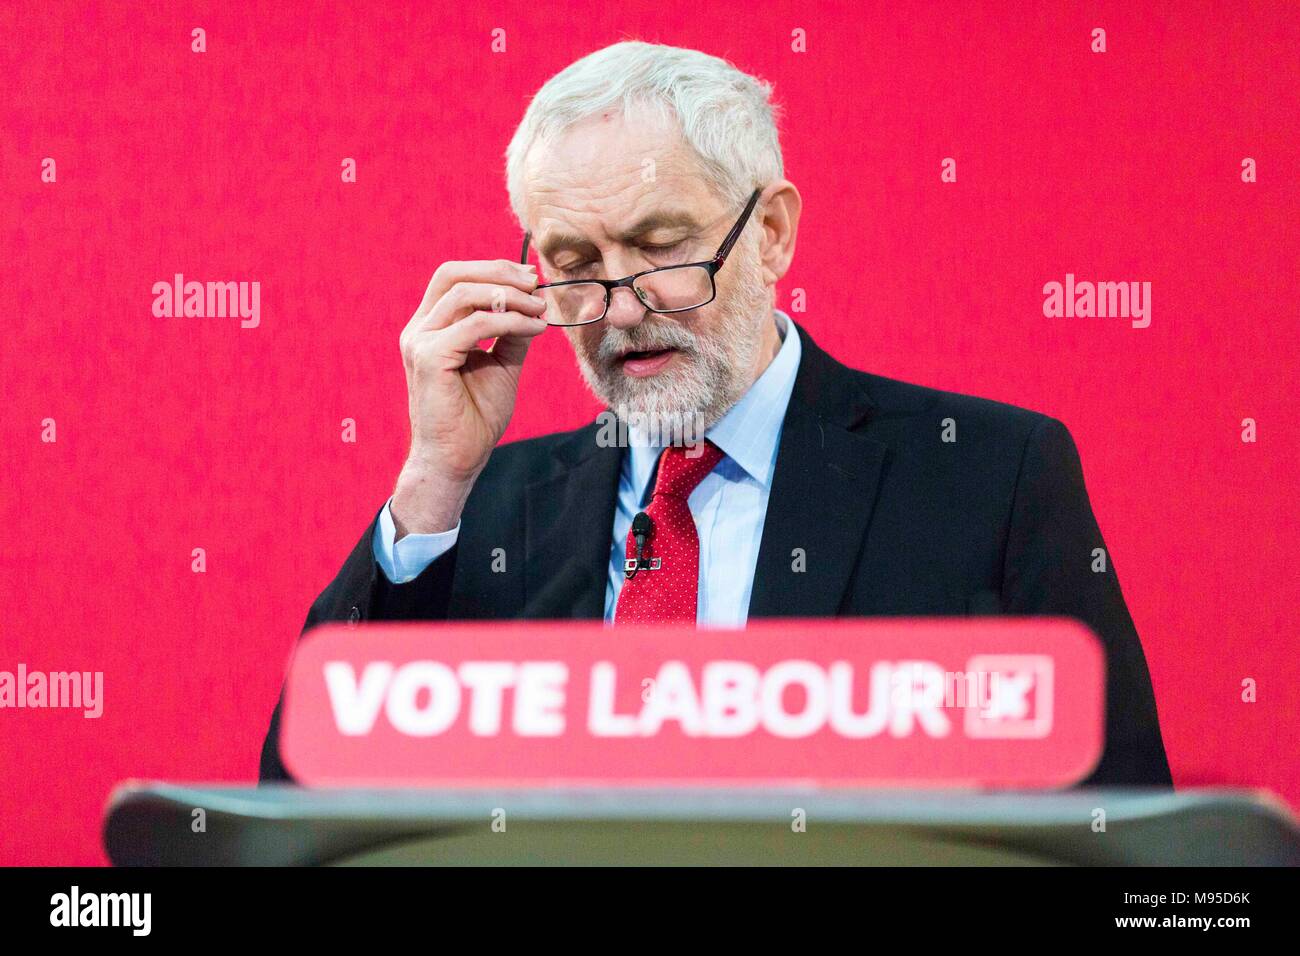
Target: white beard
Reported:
[(709, 375)]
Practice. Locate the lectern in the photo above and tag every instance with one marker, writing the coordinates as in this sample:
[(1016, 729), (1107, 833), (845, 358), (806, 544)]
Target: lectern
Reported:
[(791, 742), (154, 824)]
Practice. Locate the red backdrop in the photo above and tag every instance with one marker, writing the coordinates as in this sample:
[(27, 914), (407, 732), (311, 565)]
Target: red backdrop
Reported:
[(176, 434)]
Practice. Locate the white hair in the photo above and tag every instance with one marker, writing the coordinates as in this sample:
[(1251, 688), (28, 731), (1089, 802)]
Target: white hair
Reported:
[(725, 116)]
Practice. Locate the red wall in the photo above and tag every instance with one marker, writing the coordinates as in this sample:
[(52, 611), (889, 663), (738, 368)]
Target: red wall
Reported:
[(174, 434)]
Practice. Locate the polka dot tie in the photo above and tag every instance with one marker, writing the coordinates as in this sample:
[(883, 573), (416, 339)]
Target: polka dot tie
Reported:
[(669, 592)]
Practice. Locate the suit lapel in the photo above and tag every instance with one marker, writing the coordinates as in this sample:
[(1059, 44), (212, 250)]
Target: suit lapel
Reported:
[(568, 518), (823, 493)]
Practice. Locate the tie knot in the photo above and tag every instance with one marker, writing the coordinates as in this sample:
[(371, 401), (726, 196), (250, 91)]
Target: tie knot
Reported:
[(683, 467)]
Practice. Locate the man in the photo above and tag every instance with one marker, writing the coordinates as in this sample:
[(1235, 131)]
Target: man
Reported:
[(817, 490)]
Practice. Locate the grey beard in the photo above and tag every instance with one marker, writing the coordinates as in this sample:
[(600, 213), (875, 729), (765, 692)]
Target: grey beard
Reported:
[(712, 373)]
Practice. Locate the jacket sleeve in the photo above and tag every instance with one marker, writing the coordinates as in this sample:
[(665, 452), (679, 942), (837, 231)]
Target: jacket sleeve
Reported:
[(361, 592), (1050, 557)]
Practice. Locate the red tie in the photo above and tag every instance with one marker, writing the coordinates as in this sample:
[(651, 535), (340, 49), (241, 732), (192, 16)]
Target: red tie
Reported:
[(670, 591)]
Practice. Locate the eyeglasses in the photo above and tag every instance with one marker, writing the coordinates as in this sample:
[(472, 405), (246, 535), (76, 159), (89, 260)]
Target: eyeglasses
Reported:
[(665, 290)]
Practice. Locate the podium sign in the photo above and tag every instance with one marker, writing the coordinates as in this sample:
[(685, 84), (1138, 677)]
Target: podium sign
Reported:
[(987, 702)]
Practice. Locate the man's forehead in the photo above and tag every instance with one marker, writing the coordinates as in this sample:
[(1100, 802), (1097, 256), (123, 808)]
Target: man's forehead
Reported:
[(594, 177), (587, 215), (557, 231)]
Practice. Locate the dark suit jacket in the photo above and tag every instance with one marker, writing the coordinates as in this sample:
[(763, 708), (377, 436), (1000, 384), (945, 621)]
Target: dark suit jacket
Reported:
[(893, 521)]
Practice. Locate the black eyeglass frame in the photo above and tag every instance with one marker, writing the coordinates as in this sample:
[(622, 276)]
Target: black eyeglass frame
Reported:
[(710, 265)]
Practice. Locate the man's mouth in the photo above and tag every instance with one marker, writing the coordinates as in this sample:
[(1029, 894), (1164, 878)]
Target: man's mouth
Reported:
[(648, 362)]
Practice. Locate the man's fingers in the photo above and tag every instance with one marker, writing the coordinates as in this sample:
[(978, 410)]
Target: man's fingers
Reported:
[(464, 335), (511, 349), (500, 271), (466, 298)]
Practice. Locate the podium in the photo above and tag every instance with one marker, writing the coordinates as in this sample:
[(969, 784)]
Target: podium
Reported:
[(150, 823), (794, 742)]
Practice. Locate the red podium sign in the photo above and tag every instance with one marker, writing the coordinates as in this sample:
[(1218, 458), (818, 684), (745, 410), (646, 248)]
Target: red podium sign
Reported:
[(987, 702)]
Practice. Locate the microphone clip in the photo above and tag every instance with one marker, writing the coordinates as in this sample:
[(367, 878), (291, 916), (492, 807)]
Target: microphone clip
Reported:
[(632, 565), (642, 528)]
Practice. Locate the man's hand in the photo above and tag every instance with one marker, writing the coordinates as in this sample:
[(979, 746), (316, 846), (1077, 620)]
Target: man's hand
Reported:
[(460, 396)]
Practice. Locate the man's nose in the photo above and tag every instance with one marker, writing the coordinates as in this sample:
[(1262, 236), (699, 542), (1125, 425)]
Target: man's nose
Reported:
[(626, 309)]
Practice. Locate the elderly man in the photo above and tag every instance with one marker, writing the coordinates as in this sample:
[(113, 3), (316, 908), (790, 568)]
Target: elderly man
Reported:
[(649, 180)]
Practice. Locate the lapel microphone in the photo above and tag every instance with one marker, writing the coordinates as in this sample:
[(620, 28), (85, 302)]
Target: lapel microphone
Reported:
[(641, 528)]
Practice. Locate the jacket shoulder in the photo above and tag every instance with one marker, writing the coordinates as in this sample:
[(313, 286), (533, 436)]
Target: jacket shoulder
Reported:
[(902, 409)]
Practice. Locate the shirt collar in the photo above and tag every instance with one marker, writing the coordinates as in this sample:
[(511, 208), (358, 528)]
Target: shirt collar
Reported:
[(749, 433)]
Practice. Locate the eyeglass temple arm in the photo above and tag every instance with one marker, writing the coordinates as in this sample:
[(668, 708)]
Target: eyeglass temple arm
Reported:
[(523, 256), (725, 249)]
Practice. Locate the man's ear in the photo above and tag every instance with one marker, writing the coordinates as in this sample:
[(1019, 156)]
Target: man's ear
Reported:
[(780, 206)]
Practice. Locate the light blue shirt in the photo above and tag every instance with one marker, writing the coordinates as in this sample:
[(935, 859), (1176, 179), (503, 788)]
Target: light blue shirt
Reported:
[(729, 505)]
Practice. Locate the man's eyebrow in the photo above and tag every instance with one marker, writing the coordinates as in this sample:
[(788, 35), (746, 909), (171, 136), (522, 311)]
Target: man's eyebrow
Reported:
[(662, 219), (559, 241)]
